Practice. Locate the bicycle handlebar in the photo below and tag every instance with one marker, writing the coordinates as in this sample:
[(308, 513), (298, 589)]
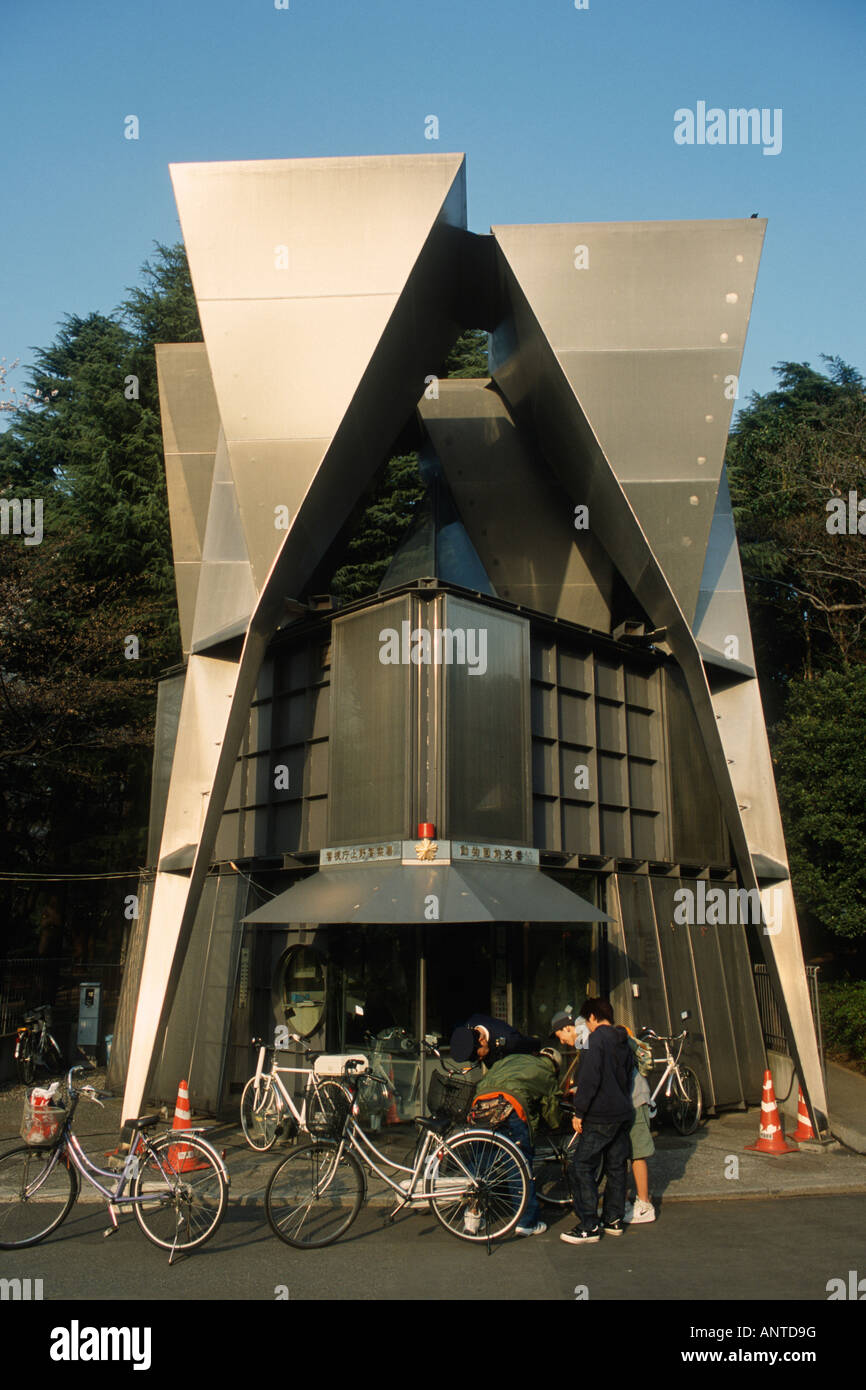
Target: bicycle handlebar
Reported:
[(663, 1037)]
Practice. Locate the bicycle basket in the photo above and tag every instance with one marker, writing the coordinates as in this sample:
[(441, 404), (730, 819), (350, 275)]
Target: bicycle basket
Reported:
[(43, 1119), (449, 1096), (327, 1112)]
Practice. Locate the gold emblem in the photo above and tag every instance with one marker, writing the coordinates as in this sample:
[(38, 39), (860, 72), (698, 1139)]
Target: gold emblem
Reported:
[(426, 849)]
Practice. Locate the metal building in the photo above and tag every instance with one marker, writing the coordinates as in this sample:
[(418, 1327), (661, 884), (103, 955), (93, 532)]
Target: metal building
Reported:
[(534, 763)]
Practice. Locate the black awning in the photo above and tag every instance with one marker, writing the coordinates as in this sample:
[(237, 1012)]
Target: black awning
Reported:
[(401, 894)]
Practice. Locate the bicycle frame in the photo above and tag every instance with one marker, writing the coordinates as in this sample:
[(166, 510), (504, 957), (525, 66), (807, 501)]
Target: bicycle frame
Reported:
[(671, 1070), (70, 1146), (39, 1038), (428, 1154), (284, 1099)]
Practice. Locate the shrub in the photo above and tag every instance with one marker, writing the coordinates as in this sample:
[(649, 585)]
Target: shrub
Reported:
[(843, 1019)]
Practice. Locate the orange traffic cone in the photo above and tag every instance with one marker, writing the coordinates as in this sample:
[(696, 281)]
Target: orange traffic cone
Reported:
[(771, 1138), (392, 1116), (181, 1156), (804, 1128)]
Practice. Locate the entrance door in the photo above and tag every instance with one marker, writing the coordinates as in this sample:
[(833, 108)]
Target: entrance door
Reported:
[(459, 971)]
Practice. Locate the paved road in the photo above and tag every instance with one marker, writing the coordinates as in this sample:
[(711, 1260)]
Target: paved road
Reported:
[(751, 1251)]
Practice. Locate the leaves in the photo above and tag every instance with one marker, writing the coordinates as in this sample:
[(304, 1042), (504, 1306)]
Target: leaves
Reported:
[(76, 717)]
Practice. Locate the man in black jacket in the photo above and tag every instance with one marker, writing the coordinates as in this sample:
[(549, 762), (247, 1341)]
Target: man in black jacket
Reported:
[(485, 1039), (603, 1115)]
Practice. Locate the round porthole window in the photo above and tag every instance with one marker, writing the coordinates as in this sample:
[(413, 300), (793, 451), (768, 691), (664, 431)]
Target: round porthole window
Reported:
[(299, 990)]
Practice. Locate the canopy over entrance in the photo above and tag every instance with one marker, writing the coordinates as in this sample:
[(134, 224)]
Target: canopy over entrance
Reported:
[(436, 892)]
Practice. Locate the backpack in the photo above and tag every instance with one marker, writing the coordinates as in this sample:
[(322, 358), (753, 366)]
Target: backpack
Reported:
[(643, 1054)]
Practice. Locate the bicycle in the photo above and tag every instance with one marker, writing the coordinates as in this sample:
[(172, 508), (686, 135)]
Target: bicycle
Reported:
[(35, 1046), (178, 1184), (476, 1181), (265, 1100), (683, 1097), (551, 1167)]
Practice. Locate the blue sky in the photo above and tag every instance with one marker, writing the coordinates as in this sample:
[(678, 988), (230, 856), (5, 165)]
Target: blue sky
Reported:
[(564, 114)]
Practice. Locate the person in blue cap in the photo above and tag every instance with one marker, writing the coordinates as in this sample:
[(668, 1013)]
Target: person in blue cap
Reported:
[(485, 1039)]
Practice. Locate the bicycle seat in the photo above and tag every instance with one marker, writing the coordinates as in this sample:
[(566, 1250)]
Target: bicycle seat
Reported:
[(438, 1126), (143, 1122)]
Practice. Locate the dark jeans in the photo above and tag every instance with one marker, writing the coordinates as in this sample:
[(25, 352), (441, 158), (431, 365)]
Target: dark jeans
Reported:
[(515, 1130), (611, 1140)]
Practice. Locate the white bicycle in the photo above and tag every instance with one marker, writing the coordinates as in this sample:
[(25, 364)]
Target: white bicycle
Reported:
[(268, 1109)]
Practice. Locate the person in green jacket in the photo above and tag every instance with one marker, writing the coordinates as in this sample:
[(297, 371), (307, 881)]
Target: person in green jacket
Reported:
[(531, 1083)]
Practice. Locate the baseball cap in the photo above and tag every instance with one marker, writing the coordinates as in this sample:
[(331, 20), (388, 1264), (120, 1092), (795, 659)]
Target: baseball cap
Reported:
[(463, 1044), (561, 1020)]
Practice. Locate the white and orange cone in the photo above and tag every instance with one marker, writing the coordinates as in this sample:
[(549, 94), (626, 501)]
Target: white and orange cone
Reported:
[(804, 1130), (771, 1137), (181, 1156)]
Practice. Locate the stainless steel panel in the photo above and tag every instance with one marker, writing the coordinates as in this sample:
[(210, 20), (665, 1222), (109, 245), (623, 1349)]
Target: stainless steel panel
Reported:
[(722, 1019), (169, 695), (698, 829), (486, 724), (190, 426), (533, 554), (351, 225), (187, 402), (721, 608), (270, 475), (676, 520), (194, 1043), (647, 835), (370, 744), (226, 591), (649, 286), (395, 894), (680, 983), (680, 399), (577, 719), (643, 963)]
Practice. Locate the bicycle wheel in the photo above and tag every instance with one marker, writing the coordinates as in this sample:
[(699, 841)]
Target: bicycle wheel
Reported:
[(183, 1181), (37, 1191), (478, 1185), (686, 1101), (261, 1107), (313, 1197), (551, 1172)]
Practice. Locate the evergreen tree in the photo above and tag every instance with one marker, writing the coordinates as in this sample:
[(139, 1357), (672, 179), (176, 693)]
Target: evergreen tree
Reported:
[(88, 617), (397, 491), (791, 452)]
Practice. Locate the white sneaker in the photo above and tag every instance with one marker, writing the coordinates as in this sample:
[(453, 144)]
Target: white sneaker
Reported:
[(639, 1212), (537, 1230)]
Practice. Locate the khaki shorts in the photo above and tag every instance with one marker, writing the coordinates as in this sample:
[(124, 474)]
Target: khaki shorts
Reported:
[(640, 1138)]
